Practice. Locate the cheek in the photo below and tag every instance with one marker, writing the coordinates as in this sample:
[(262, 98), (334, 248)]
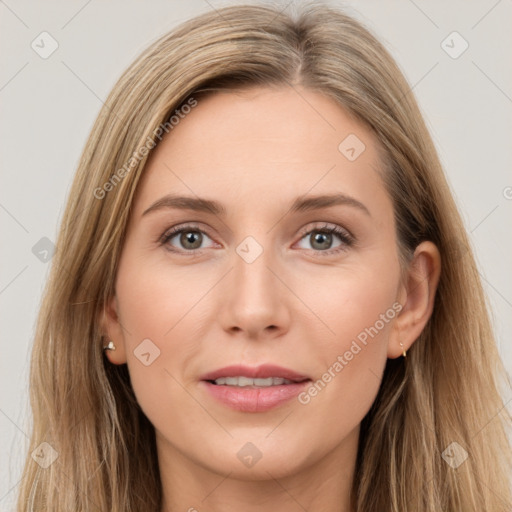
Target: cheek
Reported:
[(156, 298), (354, 298), (159, 309), (152, 306), (359, 308)]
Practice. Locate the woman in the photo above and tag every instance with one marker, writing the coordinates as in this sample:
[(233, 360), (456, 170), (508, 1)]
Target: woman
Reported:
[(263, 296)]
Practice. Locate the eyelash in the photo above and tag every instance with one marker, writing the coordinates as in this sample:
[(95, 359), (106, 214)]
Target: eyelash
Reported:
[(347, 239)]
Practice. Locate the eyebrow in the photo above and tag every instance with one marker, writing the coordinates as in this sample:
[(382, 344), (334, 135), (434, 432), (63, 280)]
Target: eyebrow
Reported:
[(301, 204)]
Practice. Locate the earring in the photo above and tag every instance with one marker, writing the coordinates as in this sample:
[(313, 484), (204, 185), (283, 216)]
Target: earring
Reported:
[(110, 346), (404, 353)]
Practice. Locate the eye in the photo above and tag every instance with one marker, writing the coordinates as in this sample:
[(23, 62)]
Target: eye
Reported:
[(188, 238), (327, 239)]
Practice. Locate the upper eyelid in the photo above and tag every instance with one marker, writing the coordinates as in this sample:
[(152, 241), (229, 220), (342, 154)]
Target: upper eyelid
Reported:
[(303, 231), (191, 226), (326, 226), (176, 230)]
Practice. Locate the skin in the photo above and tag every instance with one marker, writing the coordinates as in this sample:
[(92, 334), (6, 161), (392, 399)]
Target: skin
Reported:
[(256, 151)]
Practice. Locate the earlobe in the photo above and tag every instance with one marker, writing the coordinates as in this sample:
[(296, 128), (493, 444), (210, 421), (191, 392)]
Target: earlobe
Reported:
[(108, 348), (417, 297), (113, 345)]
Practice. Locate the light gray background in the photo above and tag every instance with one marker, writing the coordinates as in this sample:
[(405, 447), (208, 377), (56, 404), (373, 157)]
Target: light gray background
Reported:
[(48, 107)]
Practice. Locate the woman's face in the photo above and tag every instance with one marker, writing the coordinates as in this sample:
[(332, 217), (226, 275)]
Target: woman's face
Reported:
[(259, 280)]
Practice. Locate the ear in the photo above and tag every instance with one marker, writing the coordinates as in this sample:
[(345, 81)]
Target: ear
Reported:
[(416, 295), (113, 331)]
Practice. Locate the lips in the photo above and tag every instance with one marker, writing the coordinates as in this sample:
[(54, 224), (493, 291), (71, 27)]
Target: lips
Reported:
[(253, 399), (263, 371)]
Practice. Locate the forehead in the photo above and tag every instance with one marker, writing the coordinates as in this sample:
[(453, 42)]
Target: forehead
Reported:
[(261, 145)]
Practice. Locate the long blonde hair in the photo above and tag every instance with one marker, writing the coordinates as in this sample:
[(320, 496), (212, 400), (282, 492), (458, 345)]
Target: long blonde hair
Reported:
[(446, 391)]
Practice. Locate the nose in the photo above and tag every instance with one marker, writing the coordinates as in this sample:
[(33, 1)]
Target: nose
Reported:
[(255, 302)]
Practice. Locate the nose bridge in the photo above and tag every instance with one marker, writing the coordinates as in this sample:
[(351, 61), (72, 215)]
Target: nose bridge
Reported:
[(251, 273), (255, 299)]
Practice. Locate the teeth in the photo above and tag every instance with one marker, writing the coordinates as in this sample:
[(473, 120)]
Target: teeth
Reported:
[(247, 381)]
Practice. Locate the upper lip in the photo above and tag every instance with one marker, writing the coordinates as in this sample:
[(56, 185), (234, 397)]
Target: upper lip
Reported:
[(256, 372)]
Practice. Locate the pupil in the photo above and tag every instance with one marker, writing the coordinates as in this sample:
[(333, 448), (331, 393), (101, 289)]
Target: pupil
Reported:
[(322, 238)]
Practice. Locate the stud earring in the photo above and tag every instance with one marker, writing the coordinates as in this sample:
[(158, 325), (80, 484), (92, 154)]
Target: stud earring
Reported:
[(404, 353), (110, 346)]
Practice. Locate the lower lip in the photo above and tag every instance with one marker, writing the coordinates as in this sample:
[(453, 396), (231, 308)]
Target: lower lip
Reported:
[(255, 399)]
